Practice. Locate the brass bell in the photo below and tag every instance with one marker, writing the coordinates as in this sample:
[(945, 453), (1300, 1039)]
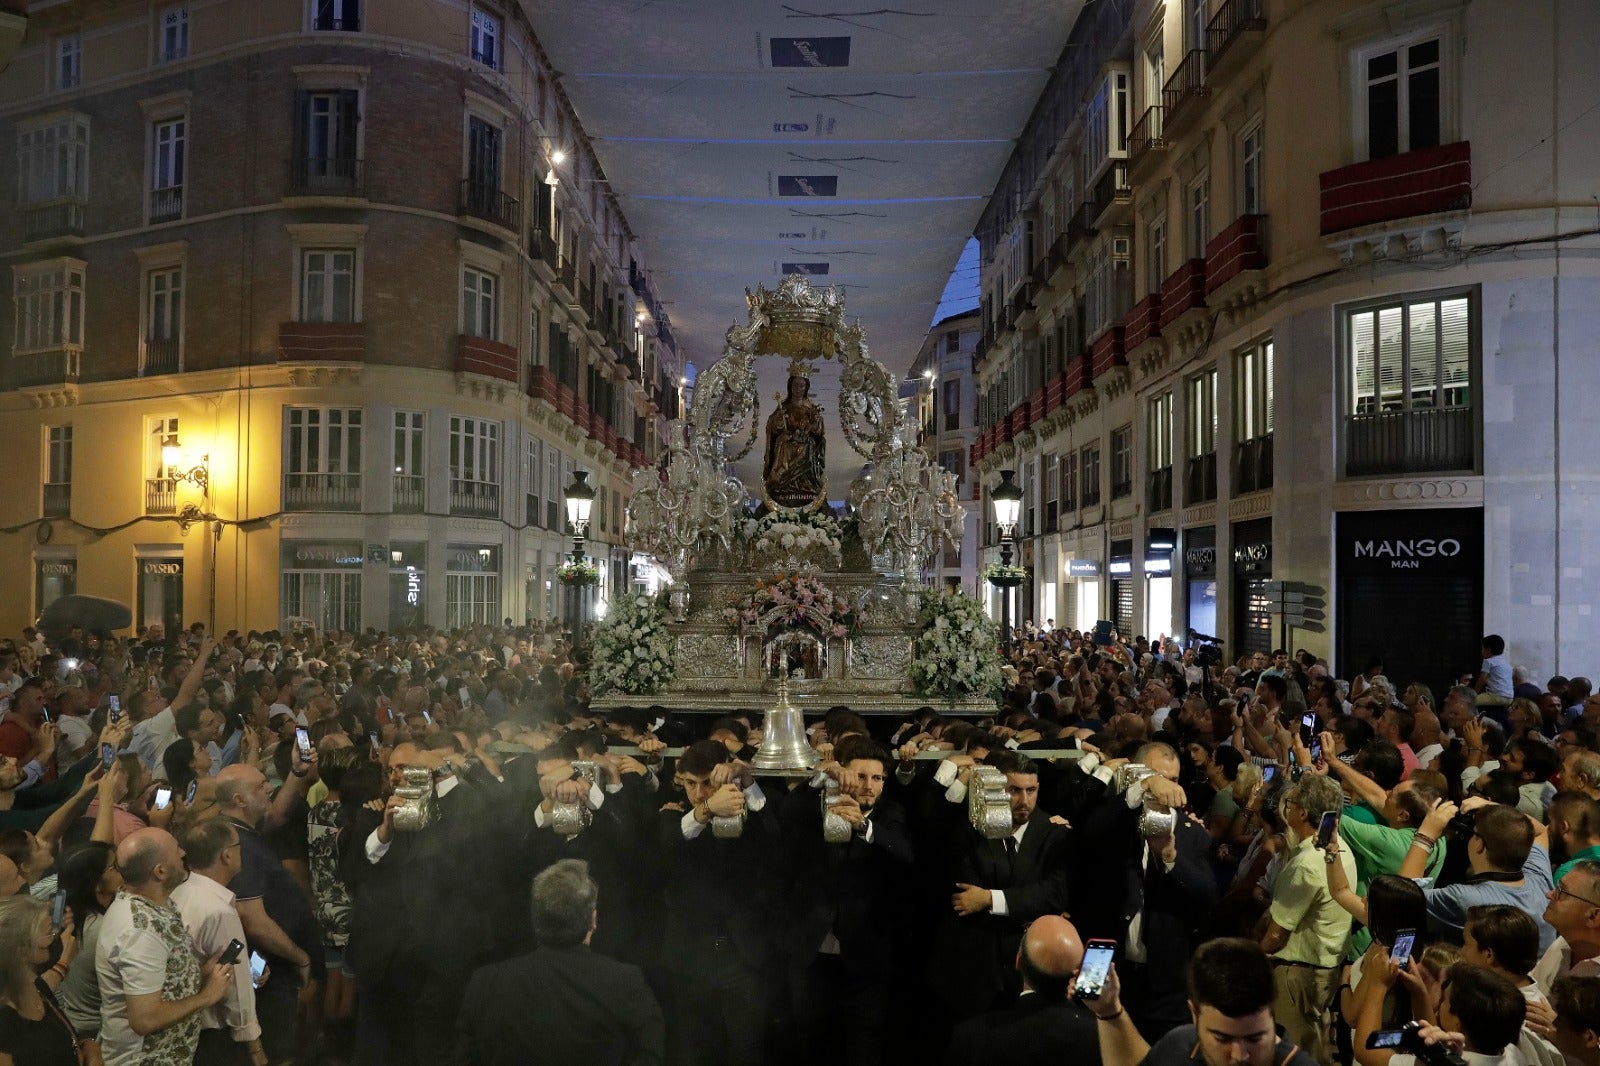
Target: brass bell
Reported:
[(784, 748)]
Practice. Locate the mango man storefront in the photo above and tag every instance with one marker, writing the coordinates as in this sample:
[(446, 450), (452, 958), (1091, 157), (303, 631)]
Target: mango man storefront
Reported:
[(1410, 590)]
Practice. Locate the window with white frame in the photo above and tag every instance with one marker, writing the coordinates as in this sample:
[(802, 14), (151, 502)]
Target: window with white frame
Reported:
[(58, 455), (486, 37), (1089, 468), (1069, 482), (1158, 428), (1409, 355), (49, 300), (1252, 198), (533, 476), (323, 440), (1253, 402), (474, 450), (164, 304), (480, 304), (1155, 71), (1199, 18), (1156, 244), (1200, 413), (53, 161), (1401, 84), (1052, 487), (1106, 123), (410, 444), (69, 60), (472, 585), (328, 133), (1121, 462), (336, 15), (1199, 216), (167, 149), (327, 285), (172, 33), (552, 477)]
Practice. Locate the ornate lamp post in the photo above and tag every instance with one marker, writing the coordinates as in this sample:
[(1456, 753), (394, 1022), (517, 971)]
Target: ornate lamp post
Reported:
[(580, 499), (1007, 500)]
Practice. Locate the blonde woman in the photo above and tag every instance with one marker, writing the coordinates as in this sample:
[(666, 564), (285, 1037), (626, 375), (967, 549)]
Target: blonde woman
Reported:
[(34, 1031)]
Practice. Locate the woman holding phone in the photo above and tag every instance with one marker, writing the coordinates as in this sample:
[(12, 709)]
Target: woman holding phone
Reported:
[(91, 880), (34, 1030)]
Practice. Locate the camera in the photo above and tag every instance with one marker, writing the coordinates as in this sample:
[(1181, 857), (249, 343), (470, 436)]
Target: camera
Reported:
[(1207, 655), (1408, 1040)]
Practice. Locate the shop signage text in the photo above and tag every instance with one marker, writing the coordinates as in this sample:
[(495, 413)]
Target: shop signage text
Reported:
[(1407, 554)]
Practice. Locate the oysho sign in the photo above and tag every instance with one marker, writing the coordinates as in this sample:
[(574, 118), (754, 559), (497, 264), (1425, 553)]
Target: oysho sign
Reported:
[(159, 569)]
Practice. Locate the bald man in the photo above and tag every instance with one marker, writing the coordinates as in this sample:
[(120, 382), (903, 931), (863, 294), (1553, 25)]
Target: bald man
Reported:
[(152, 986), (1044, 1027)]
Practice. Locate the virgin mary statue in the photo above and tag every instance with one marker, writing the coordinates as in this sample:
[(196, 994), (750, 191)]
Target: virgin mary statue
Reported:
[(793, 467)]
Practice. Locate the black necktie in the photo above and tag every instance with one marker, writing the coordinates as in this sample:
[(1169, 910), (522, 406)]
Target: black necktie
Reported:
[(1011, 850)]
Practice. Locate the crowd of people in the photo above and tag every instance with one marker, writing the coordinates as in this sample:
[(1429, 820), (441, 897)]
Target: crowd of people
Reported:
[(426, 848)]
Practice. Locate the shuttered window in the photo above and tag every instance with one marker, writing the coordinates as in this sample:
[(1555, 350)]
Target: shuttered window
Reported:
[(1416, 354)]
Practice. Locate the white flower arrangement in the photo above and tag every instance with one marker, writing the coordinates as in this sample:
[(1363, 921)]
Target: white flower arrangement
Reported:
[(794, 536), (632, 649), (956, 655)]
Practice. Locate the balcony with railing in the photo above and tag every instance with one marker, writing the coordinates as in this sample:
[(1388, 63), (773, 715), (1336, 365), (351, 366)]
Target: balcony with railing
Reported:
[(1252, 465), (410, 494), (47, 369), (542, 249), (486, 200), (1200, 479), (166, 205), (46, 222), (321, 492), (161, 495), (1233, 34), (1239, 249), (162, 355), (1186, 86), (1183, 291), (1143, 322), (1158, 490), (1112, 190), (57, 499), (331, 342), (1147, 137), (1417, 440), (480, 355), (475, 499), (1428, 181), (314, 175)]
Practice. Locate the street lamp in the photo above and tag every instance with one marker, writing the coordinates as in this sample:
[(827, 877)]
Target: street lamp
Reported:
[(580, 499), (1007, 500)]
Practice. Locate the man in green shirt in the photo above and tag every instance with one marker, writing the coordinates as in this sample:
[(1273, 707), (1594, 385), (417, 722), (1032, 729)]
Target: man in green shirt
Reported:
[(1575, 821), (1380, 849)]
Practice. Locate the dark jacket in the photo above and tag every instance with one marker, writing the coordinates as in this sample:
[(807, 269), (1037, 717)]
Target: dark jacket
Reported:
[(563, 1005), (1033, 1031), (851, 890), (974, 960)]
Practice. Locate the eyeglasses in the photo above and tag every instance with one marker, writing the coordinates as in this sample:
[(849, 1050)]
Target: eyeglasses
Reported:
[(1581, 899)]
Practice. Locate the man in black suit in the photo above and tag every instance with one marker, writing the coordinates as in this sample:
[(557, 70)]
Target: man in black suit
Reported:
[(1045, 1027), (841, 906), (718, 897), (430, 908), (561, 1003), (1153, 895), (1001, 886)]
